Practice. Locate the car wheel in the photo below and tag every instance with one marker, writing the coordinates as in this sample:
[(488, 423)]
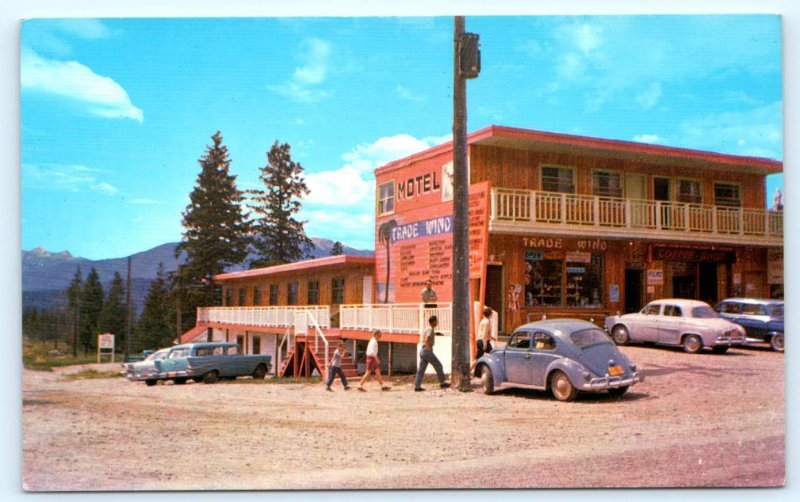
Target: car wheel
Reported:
[(692, 344), (776, 342), (197, 379), (562, 388), (487, 380), (619, 391), (260, 372), (180, 381), (150, 383), (720, 350), (620, 335), (211, 377)]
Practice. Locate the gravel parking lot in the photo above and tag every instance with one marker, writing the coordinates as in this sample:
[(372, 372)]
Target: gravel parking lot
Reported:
[(697, 421)]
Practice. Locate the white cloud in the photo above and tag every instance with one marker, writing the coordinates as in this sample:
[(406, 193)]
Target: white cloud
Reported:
[(649, 138), (300, 86), (649, 97), (755, 132), (66, 178), (407, 94), (102, 96)]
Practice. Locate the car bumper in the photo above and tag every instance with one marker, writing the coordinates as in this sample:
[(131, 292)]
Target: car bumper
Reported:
[(728, 341), (173, 374), (609, 382)]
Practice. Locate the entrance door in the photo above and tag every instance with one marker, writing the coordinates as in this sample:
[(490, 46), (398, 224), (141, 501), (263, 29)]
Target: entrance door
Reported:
[(683, 286), (634, 280), (494, 290), (708, 283), (662, 192)]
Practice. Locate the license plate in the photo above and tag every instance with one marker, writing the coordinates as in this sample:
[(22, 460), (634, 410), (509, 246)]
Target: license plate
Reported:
[(615, 370)]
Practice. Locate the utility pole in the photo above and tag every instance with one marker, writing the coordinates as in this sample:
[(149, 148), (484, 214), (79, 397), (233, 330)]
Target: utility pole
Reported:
[(129, 319), (466, 64)]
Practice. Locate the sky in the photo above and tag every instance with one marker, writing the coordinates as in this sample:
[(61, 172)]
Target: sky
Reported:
[(116, 112)]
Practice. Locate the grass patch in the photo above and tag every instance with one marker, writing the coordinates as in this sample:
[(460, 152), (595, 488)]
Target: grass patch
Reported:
[(41, 357), (92, 375)]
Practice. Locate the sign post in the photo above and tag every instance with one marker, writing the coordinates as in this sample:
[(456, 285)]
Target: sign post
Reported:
[(105, 341)]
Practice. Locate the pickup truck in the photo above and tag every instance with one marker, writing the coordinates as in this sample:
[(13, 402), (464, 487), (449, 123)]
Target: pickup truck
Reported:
[(209, 362)]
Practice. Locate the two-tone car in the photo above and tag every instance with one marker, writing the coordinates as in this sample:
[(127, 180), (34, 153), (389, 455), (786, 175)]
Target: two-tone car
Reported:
[(690, 324), (209, 362), (562, 356), (144, 370), (761, 319)]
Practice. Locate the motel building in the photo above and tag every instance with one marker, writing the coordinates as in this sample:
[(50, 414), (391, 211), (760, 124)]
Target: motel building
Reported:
[(559, 226)]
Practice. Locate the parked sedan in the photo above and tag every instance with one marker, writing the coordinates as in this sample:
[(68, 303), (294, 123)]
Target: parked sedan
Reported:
[(144, 370), (563, 356), (690, 324), (761, 319)]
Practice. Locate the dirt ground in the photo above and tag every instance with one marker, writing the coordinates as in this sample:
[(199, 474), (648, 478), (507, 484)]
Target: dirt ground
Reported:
[(697, 421)]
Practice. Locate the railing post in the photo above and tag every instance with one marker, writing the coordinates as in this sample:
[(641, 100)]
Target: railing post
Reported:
[(596, 210), (658, 215), (563, 208), (533, 206), (628, 213)]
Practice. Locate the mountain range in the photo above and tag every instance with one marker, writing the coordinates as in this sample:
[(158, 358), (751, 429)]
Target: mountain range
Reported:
[(45, 275)]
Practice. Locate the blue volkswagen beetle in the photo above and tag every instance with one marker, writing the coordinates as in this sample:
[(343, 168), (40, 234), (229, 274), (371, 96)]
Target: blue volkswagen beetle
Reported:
[(563, 356)]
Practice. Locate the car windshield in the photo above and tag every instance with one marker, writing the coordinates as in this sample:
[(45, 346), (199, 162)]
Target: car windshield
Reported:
[(587, 337), (776, 310), (704, 312)]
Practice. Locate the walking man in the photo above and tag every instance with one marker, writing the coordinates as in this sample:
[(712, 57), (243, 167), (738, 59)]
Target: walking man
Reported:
[(373, 363), (336, 368), (427, 356)]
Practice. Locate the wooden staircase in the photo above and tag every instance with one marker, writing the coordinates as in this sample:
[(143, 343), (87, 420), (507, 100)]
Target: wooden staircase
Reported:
[(302, 359)]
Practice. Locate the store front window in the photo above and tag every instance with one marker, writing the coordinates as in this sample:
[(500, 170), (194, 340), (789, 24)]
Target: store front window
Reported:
[(573, 280)]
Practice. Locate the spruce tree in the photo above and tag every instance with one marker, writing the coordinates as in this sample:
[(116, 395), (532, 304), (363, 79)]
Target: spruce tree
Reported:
[(215, 228), (154, 329), (278, 236), (337, 249), (113, 317), (74, 301), (91, 304)]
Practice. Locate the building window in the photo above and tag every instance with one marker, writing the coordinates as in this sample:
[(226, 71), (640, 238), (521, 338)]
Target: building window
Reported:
[(228, 297), (291, 296), (727, 195), (558, 179), (256, 295), (690, 191), (256, 345), (313, 292), (337, 291), (386, 198), (576, 280), (607, 184), (273, 294), (242, 296)]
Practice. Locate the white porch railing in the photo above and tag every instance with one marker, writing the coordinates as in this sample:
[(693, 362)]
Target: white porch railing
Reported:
[(395, 317), (621, 217), (266, 317)]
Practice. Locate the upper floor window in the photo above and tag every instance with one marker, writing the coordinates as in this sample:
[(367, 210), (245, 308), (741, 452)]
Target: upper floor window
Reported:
[(386, 198), (607, 184), (291, 297), (273, 294), (228, 297), (558, 179), (690, 191), (337, 290), (256, 295), (726, 194), (313, 292), (242, 295)]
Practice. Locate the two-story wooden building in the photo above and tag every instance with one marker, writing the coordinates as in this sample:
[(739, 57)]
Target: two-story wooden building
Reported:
[(559, 226)]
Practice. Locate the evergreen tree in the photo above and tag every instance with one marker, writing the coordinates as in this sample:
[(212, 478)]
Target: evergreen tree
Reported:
[(74, 301), (154, 329), (114, 316), (91, 304), (215, 228), (337, 249), (278, 236)]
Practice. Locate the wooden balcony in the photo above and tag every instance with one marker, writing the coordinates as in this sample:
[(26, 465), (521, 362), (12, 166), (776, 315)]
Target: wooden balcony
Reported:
[(527, 211), (262, 317)]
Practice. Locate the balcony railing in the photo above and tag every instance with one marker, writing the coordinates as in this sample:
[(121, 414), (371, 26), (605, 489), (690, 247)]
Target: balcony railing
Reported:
[(526, 208), (266, 317), (395, 317)]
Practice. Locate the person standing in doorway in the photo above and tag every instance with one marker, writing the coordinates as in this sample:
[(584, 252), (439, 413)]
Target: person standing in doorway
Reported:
[(373, 363), (426, 356), (429, 295), (336, 367)]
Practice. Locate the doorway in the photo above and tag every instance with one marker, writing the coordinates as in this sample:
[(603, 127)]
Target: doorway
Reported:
[(684, 286), (494, 290), (708, 283), (634, 280)]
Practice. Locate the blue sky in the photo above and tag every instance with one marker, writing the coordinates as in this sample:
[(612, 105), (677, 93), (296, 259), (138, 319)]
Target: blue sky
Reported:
[(116, 112)]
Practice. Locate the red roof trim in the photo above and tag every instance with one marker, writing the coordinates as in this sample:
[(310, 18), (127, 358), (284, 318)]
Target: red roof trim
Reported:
[(328, 261), (570, 140)]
